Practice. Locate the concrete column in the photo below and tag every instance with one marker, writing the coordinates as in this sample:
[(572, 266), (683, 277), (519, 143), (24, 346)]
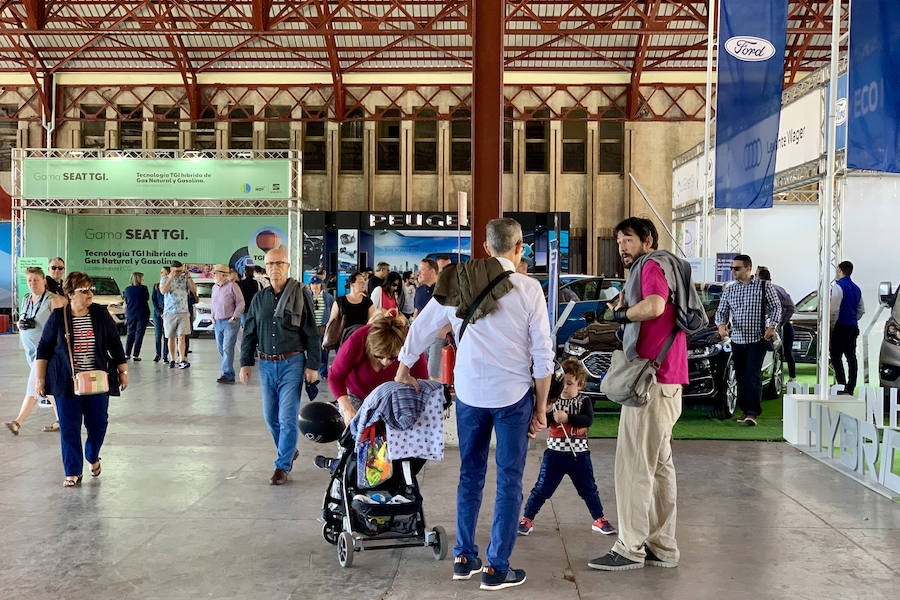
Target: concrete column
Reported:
[(443, 162), (369, 163), (406, 163), (332, 164), (590, 165), (554, 161), (487, 117)]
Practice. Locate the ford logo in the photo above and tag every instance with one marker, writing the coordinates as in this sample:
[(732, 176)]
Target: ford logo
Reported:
[(749, 48), (841, 116)]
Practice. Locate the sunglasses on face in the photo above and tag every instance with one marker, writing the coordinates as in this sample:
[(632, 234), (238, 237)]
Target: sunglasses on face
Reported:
[(736, 268), (55, 268), (85, 291)]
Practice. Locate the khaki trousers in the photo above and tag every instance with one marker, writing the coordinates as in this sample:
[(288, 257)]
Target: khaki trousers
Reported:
[(645, 476)]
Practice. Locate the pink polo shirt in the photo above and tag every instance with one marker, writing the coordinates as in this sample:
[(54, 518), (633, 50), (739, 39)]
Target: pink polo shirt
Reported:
[(674, 368)]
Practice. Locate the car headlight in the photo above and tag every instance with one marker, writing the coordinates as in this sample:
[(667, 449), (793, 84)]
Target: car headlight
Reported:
[(892, 332), (705, 351), (576, 351)]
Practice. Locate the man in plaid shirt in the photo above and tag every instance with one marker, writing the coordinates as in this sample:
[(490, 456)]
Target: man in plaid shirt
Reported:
[(742, 305)]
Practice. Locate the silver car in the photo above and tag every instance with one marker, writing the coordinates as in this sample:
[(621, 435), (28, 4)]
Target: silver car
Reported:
[(889, 357)]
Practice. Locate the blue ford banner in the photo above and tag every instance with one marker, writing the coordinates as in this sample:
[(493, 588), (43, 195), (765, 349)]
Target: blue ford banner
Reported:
[(748, 100), (873, 131)]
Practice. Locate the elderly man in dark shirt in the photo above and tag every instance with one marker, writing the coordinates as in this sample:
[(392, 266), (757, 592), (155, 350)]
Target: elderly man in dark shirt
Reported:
[(280, 330)]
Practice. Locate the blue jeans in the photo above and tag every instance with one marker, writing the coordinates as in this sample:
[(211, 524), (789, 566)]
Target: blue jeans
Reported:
[(281, 383), (72, 410), (226, 336), (137, 325), (323, 370), (555, 466), (474, 426), (162, 348)]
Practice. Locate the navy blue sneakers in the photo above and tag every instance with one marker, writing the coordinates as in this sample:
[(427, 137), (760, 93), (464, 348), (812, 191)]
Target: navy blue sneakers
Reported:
[(464, 569), (494, 580)]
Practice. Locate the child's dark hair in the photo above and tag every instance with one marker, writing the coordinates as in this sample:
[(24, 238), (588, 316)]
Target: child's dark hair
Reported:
[(573, 367)]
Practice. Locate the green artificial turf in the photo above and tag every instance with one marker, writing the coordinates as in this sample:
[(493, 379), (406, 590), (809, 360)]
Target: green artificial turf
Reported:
[(695, 423)]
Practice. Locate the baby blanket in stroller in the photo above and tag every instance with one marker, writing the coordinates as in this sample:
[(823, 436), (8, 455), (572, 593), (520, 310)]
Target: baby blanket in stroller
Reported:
[(414, 422)]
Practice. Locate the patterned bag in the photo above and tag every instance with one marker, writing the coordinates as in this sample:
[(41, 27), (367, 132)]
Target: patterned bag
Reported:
[(373, 460), (86, 383)]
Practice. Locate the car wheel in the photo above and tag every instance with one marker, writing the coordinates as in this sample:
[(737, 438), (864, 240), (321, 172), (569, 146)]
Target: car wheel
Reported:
[(775, 386), (726, 399)]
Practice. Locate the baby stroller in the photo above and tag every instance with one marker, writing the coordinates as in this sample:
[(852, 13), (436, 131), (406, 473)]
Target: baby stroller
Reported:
[(354, 525)]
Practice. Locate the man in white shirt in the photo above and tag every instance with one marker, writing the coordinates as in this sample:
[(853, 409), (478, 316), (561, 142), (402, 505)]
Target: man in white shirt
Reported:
[(493, 379)]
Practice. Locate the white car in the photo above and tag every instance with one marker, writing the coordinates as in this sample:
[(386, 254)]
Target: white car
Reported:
[(203, 308), (106, 293)]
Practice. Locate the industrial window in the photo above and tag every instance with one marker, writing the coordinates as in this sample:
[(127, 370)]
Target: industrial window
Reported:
[(537, 141), (315, 157), (167, 130), (278, 127), (461, 141), (131, 127), (425, 142), (387, 141), (93, 125), (507, 139), (8, 129), (241, 121), (352, 142), (205, 130), (611, 142), (574, 142)]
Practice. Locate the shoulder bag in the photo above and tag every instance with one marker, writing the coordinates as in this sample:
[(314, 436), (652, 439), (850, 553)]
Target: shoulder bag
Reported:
[(628, 382), (334, 331), (86, 383)]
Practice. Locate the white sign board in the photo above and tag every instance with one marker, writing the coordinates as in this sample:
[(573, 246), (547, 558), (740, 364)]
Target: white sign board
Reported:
[(799, 132), (687, 180)]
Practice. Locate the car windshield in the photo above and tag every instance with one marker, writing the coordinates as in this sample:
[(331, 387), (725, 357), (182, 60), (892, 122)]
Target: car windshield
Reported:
[(809, 303), (105, 287), (204, 290)]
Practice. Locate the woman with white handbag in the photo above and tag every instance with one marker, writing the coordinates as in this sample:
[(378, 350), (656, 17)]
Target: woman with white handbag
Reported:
[(80, 360)]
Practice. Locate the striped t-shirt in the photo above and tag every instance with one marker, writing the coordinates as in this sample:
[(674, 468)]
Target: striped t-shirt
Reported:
[(319, 308), (84, 353)]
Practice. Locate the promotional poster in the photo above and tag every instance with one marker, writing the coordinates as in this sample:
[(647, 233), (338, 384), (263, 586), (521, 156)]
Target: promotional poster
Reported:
[(118, 245)]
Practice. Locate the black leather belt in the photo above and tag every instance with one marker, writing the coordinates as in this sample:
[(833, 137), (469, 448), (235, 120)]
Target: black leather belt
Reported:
[(276, 357)]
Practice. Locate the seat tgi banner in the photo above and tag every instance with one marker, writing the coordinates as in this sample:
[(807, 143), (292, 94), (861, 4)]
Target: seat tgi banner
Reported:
[(748, 100)]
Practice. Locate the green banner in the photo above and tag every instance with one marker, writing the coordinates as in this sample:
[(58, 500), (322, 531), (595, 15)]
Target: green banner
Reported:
[(118, 245), (183, 179)]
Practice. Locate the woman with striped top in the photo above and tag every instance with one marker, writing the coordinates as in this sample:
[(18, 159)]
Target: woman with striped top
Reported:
[(95, 344)]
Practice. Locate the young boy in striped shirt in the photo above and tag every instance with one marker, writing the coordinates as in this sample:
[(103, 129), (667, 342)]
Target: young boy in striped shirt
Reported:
[(567, 451)]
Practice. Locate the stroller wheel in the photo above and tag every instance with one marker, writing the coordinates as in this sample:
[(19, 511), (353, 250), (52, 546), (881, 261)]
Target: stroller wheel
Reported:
[(440, 543), (330, 533), (345, 549)]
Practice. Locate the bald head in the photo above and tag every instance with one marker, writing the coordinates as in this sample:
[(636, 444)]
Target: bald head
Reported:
[(277, 266)]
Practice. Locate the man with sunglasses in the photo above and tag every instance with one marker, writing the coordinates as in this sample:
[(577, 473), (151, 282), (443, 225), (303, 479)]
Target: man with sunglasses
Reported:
[(280, 330), (57, 274), (753, 309)]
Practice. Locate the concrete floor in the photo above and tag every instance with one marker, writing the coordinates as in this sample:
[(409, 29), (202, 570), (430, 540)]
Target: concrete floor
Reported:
[(183, 510)]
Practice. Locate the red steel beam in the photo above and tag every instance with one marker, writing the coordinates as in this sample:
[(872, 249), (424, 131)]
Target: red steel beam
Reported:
[(637, 68), (260, 15), (35, 14), (487, 118)]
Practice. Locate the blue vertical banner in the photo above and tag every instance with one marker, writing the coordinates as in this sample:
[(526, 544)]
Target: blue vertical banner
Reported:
[(748, 100), (553, 282), (873, 130)]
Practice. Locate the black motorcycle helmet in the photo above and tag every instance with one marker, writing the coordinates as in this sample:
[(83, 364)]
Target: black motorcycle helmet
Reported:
[(321, 422), (557, 381)]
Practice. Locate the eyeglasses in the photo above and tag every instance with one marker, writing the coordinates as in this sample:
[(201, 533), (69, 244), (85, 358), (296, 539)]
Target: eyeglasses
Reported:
[(391, 358), (277, 263), (55, 268), (736, 268), (86, 291)]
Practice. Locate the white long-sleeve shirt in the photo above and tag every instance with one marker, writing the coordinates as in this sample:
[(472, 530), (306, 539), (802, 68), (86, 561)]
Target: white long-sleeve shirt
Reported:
[(494, 359)]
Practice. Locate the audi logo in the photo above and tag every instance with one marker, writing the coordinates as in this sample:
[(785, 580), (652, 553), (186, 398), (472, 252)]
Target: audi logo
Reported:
[(753, 154)]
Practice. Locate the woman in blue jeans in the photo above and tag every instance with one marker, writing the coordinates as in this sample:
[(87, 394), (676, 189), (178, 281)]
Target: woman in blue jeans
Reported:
[(137, 315), (159, 300), (90, 332)]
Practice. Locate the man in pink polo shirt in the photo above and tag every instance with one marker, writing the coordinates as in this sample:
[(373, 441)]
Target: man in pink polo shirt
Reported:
[(644, 472)]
